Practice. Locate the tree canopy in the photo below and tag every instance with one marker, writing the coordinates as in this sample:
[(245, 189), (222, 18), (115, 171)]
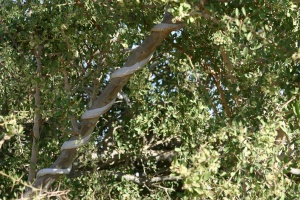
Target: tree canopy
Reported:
[(161, 99)]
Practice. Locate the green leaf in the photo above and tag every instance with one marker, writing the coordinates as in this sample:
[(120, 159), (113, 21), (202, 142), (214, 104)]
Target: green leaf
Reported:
[(237, 12), (244, 11), (237, 21), (296, 109), (249, 36), (206, 176), (245, 51)]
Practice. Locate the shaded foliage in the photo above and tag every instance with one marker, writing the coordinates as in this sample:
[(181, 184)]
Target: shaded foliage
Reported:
[(208, 108)]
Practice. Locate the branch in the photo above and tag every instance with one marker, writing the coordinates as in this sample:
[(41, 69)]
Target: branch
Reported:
[(67, 88), (228, 65), (37, 117), (143, 181), (116, 158), (161, 155), (222, 94), (119, 78)]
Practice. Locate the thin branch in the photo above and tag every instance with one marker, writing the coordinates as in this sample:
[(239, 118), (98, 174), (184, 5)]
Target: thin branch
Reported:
[(18, 181), (228, 65), (37, 117), (142, 181), (117, 158), (67, 88), (161, 155), (222, 95)]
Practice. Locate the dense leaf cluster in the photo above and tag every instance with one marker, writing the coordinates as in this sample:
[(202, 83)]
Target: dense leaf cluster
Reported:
[(214, 115)]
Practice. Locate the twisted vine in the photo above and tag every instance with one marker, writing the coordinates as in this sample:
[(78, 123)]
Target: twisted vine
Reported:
[(96, 113)]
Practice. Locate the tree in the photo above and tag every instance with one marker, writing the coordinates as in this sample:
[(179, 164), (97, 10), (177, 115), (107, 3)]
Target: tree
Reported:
[(149, 99)]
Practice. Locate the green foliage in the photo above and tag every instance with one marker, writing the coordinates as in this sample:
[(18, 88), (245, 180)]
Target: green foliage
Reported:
[(208, 108), (243, 160)]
